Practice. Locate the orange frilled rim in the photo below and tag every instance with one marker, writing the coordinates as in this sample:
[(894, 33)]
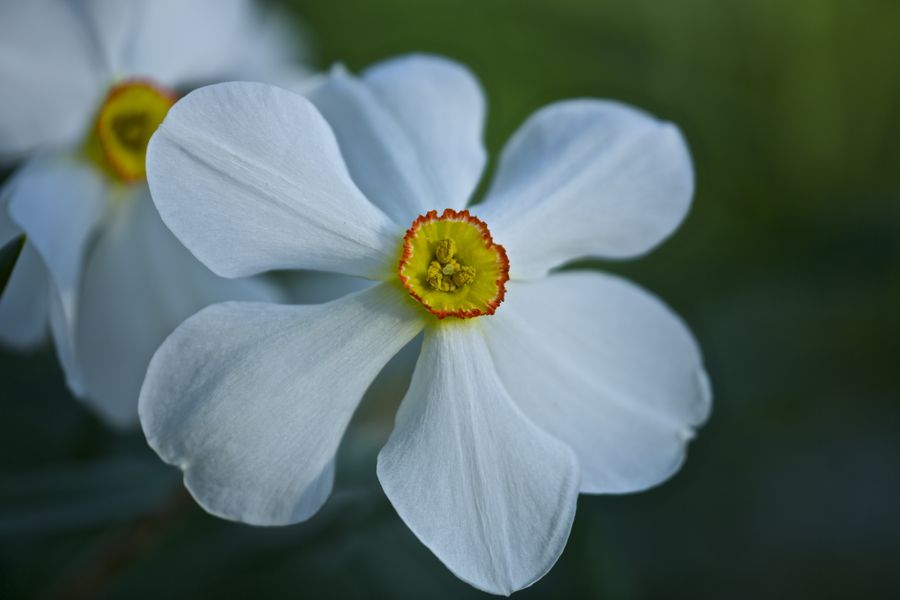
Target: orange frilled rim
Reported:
[(490, 304)]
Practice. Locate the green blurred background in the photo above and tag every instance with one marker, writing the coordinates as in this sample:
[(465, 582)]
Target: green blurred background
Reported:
[(787, 270)]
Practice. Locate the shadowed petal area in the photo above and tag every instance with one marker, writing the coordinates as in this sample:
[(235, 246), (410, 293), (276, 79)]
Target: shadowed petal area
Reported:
[(411, 131), (605, 367), (587, 178), (59, 201), (249, 177), (250, 400), (315, 287), (489, 493), (61, 316), (139, 284), (23, 305), (52, 75)]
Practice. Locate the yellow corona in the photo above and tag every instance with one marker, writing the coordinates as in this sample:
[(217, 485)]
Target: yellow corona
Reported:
[(452, 266)]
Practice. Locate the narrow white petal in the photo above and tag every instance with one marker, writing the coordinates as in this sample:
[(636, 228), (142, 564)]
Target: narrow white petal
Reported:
[(488, 492), (58, 201), (587, 178), (32, 299), (62, 314), (49, 73), (23, 305), (411, 131), (9, 230), (605, 367), (139, 284), (249, 177), (250, 400)]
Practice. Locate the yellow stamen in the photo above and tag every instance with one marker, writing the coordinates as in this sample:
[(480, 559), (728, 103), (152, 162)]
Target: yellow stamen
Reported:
[(445, 273)]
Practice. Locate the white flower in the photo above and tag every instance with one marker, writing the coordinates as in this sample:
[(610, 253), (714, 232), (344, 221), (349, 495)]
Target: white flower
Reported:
[(578, 381), (84, 85)]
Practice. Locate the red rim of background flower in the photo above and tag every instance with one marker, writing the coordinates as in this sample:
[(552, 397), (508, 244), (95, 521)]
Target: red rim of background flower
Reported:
[(114, 91)]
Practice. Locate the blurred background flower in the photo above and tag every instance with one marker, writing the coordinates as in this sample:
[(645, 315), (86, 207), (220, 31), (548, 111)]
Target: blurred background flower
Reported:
[(786, 269), (87, 83)]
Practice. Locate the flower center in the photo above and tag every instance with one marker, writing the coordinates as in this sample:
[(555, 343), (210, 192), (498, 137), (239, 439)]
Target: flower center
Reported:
[(451, 265), (127, 118), (445, 273)]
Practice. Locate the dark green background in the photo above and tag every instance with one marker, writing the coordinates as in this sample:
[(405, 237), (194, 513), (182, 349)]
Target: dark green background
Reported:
[(787, 270)]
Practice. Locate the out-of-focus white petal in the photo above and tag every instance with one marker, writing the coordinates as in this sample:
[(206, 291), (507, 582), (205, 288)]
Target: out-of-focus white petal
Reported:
[(250, 400), (62, 313), (58, 201), (410, 130), (201, 41), (275, 50), (487, 491), (112, 27), (9, 230), (139, 284), (605, 367), (51, 75), (23, 305), (32, 298), (587, 178), (315, 287), (249, 177)]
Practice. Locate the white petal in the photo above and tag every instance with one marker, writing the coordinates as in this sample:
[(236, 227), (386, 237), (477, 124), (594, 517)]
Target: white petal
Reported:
[(23, 305), (202, 40), (249, 177), (32, 299), (275, 49), (489, 493), (251, 399), (9, 230), (58, 201), (605, 367), (587, 178), (49, 73), (410, 130), (62, 312), (112, 27), (139, 284)]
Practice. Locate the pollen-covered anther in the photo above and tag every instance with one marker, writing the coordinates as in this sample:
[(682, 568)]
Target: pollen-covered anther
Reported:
[(451, 265), (129, 115), (445, 273)]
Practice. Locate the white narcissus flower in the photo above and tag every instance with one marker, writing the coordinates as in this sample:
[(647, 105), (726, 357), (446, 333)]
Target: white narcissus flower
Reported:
[(85, 83), (527, 391)]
